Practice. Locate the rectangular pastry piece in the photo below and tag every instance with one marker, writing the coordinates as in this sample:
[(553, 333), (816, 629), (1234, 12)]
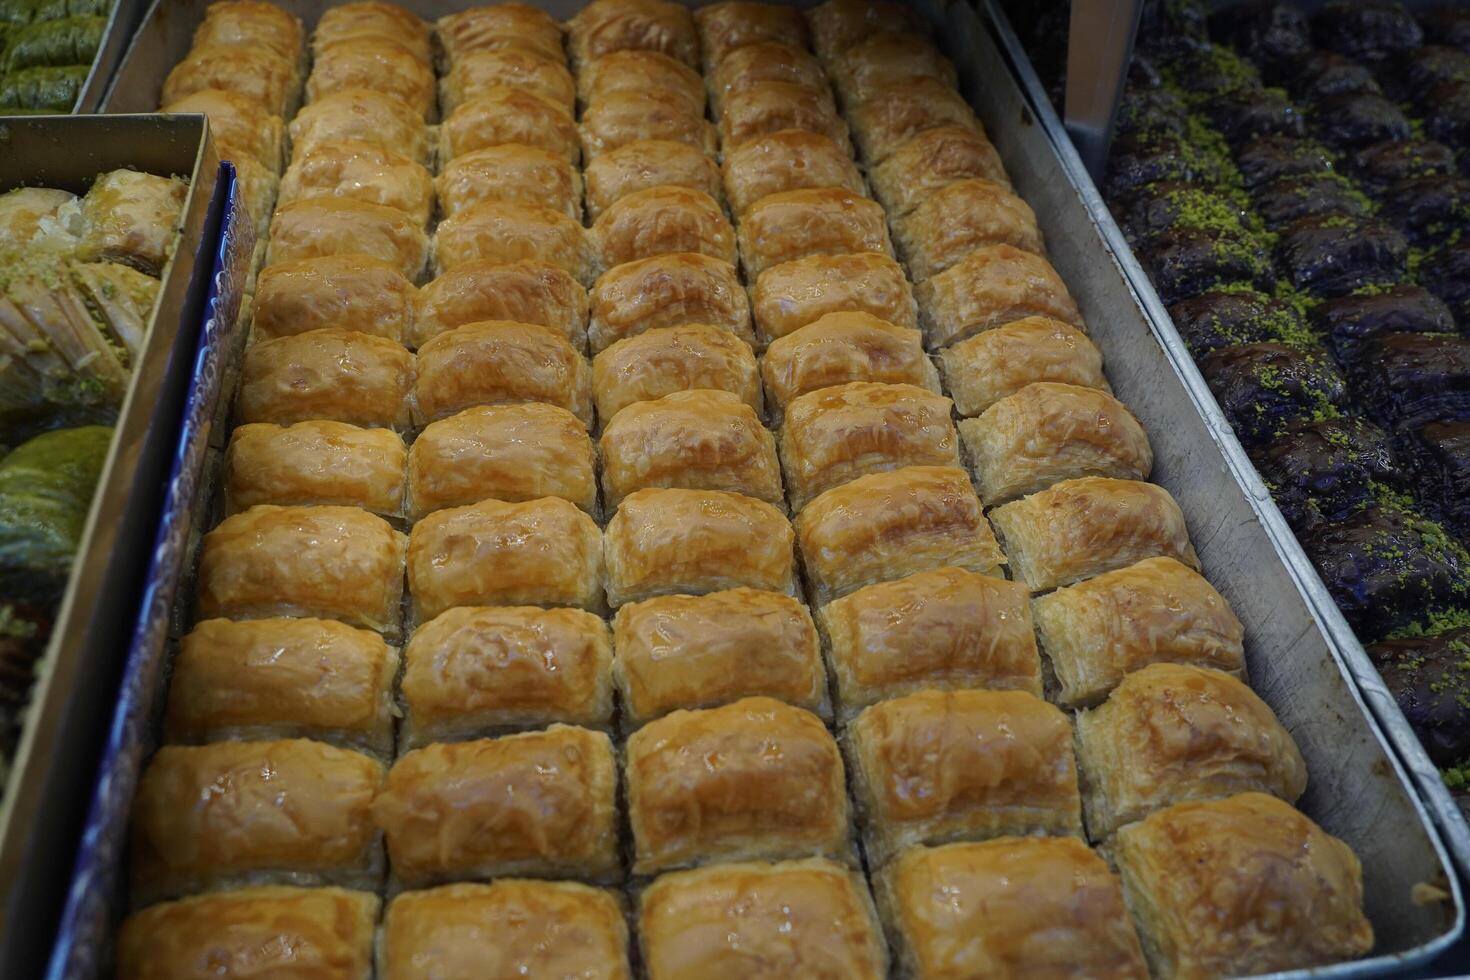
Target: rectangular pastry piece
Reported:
[(647, 163), (840, 348), (499, 362), (503, 452), (666, 542), (787, 160), (617, 119), (525, 292), (939, 766), (132, 218), (382, 64), (512, 927), (699, 440), (1158, 611), (505, 114), (834, 435), (633, 70), (513, 173), (525, 68), (990, 287), (342, 226), (360, 171), (668, 359), (496, 26), (884, 526), (885, 59), (538, 803), (791, 295), (372, 18), (541, 552), (254, 24), (346, 292), (753, 780), (334, 562), (943, 629), (607, 26), (760, 108), (1015, 907), (332, 373), (809, 918), (1048, 432), (257, 73), (837, 25), (667, 291), (933, 160), (317, 932), (317, 462), (498, 231), (1240, 886), (476, 671), (283, 678), (241, 127), (1084, 527), (731, 24), (987, 367), (764, 61), (362, 115), (661, 220), (683, 651), (1170, 733), (820, 221), (229, 813), (895, 113), (960, 217)]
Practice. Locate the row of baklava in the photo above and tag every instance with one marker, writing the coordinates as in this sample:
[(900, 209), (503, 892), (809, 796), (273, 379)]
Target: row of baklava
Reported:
[(754, 779)]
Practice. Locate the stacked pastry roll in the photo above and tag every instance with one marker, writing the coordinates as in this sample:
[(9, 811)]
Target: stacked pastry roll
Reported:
[(245, 71), (721, 550)]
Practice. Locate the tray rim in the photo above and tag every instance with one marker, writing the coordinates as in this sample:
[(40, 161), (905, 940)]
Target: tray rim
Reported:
[(71, 658)]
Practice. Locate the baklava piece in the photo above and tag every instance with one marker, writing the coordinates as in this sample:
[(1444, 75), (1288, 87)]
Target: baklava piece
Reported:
[(511, 927), (221, 815), (315, 462), (698, 440), (888, 525), (945, 629), (283, 678), (333, 562), (536, 804), (668, 542), (1097, 632), (542, 552), (513, 453), (683, 651), (1171, 733), (1240, 886), (753, 780), (477, 671), (939, 766)]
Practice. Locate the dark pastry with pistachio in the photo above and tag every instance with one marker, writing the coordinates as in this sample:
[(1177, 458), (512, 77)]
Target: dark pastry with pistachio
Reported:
[(1347, 122), (1185, 262), (1442, 463), (1408, 380), (1283, 202), (1326, 470), (1335, 255), (1347, 322), (1380, 166), (1369, 30), (1270, 158), (1267, 388), (1429, 677), (1222, 318)]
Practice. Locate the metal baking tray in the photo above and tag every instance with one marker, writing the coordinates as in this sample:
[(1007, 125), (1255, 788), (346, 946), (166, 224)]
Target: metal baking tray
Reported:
[(1447, 814), (1358, 790), (121, 21), (41, 812)]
